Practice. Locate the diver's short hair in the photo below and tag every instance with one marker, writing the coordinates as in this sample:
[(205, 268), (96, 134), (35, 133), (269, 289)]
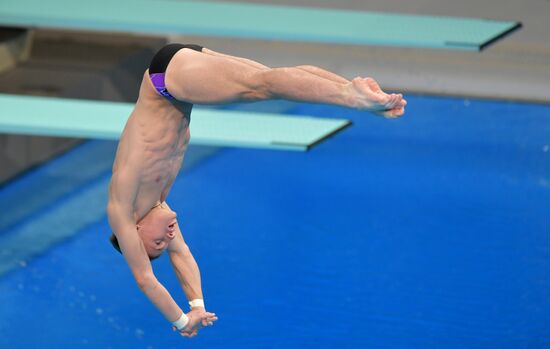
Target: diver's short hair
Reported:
[(114, 242)]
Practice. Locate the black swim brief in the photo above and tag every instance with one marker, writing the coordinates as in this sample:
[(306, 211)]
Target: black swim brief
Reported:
[(160, 62)]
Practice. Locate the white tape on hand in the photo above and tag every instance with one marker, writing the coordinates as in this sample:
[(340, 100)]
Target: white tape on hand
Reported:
[(181, 322), (196, 303)]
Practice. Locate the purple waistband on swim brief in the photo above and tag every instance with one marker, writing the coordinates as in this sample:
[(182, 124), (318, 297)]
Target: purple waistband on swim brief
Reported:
[(158, 81)]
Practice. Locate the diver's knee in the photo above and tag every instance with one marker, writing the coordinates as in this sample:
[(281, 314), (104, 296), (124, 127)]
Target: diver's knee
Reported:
[(262, 85)]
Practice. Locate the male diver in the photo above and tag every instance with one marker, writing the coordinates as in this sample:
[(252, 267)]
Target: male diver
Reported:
[(155, 138)]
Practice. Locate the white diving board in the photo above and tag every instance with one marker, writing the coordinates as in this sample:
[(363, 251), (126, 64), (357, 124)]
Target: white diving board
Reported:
[(46, 116), (257, 21)]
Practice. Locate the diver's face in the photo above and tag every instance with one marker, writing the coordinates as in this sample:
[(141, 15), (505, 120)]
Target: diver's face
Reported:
[(157, 229)]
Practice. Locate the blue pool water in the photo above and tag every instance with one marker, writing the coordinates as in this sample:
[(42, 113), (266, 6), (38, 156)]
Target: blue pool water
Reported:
[(432, 231)]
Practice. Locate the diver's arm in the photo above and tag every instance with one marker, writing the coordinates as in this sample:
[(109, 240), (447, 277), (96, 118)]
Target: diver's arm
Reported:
[(185, 267), (120, 211)]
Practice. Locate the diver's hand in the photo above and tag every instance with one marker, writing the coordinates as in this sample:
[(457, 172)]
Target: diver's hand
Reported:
[(198, 319)]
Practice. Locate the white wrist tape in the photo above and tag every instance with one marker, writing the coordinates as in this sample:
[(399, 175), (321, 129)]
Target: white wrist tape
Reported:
[(196, 303), (181, 322)]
